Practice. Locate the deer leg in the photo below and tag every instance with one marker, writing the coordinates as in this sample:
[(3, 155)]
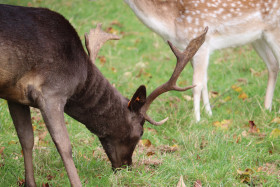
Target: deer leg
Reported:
[(22, 121), (53, 114), (268, 57), (200, 64)]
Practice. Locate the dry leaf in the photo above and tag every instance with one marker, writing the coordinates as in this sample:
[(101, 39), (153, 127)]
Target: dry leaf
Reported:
[(150, 153), (275, 133), (276, 120), (50, 177), (244, 133), (42, 135), (117, 23), (197, 183), (223, 124), (127, 74), (245, 176), (203, 143), (152, 130), (45, 185), (253, 128), (236, 88), (2, 150), (146, 143), (102, 59), (181, 182), (168, 149), (12, 142), (114, 69), (242, 80), (243, 96), (258, 74), (112, 30), (20, 182), (213, 94), (187, 97)]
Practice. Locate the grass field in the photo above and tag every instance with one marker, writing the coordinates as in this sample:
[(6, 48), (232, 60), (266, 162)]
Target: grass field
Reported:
[(221, 150)]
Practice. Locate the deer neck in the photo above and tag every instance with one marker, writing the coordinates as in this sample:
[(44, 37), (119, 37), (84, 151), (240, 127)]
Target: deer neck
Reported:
[(98, 104)]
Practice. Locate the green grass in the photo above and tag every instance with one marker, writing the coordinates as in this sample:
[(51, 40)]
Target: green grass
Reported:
[(205, 152)]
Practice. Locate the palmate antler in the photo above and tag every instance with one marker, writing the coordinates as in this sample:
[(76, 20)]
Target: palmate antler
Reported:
[(182, 60), (95, 39)]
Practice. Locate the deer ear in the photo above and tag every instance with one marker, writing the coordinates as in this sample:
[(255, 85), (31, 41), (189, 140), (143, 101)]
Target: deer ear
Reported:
[(138, 99)]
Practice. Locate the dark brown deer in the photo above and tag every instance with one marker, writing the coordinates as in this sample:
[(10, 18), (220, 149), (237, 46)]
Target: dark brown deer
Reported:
[(44, 65)]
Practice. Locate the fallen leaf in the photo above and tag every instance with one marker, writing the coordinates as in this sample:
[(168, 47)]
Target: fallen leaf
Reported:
[(114, 69), (150, 153), (276, 120), (224, 124), (168, 149), (270, 169), (237, 138), (203, 143), (258, 74), (243, 96), (151, 162), (20, 182), (275, 133), (181, 182), (127, 74), (253, 128), (12, 142), (2, 150), (244, 133), (152, 130), (242, 80), (45, 185), (117, 23), (197, 183), (50, 177), (146, 143), (213, 94), (226, 99), (187, 97), (102, 59), (245, 175), (236, 88), (112, 30), (42, 135), (61, 175)]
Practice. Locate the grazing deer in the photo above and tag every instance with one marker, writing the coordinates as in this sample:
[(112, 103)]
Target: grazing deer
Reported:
[(44, 65), (231, 23)]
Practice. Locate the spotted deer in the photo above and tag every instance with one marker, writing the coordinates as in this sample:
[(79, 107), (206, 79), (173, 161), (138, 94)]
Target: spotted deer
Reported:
[(44, 65), (231, 23)]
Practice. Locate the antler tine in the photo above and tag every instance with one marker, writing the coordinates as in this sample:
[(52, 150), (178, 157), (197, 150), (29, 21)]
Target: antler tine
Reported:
[(182, 60), (95, 39)]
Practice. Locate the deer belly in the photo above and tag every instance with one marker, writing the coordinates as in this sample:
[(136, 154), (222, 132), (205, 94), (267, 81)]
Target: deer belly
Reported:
[(233, 40)]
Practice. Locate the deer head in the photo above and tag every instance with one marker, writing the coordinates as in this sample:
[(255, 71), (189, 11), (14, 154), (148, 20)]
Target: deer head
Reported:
[(119, 150)]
